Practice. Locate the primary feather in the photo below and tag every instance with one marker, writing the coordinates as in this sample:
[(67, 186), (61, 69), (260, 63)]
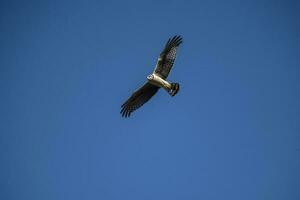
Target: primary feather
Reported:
[(167, 57), (138, 98)]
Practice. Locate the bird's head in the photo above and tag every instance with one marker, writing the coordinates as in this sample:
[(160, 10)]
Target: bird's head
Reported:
[(150, 77)]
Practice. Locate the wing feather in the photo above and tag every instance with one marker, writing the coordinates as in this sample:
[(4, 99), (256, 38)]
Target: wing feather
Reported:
[(138, 98), (167, 57)]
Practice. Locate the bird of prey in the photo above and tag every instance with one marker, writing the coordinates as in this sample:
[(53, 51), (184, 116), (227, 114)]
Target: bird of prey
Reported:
[(156, 80)]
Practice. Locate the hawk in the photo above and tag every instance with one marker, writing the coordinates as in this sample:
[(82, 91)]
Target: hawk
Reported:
[(156, 80)]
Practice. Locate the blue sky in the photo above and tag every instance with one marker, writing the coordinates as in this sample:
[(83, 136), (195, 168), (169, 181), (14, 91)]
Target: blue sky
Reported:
[(232, 132)]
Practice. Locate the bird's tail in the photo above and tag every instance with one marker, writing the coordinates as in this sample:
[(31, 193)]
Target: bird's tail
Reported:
[(174, 89)]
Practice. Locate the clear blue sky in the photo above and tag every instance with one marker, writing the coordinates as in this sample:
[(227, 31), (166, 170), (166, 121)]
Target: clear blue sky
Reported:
[(232, 132)]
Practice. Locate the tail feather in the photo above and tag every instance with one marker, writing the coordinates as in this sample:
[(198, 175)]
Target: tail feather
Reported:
[(174, 89)]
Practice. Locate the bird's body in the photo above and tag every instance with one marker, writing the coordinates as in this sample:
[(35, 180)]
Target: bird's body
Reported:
[(156, 80)]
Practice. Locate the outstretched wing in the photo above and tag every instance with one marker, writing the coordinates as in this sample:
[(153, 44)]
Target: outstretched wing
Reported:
[(138, 98), (167, 57)]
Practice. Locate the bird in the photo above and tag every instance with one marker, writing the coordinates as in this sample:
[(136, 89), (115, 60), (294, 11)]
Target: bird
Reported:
[(156, 80)]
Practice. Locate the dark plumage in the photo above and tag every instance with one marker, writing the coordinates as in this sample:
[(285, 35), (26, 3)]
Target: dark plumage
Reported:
[(167, 57), (138, 98), (161, 72)]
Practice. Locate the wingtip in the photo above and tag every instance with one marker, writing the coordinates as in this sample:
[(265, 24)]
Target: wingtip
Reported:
[(125, 112), (175, 40)]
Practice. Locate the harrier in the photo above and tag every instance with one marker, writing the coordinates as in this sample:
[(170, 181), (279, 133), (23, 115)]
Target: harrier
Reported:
[(156, 80)]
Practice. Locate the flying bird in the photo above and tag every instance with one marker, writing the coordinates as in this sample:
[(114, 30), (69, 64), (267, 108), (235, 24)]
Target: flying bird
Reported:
[(156, 80)]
